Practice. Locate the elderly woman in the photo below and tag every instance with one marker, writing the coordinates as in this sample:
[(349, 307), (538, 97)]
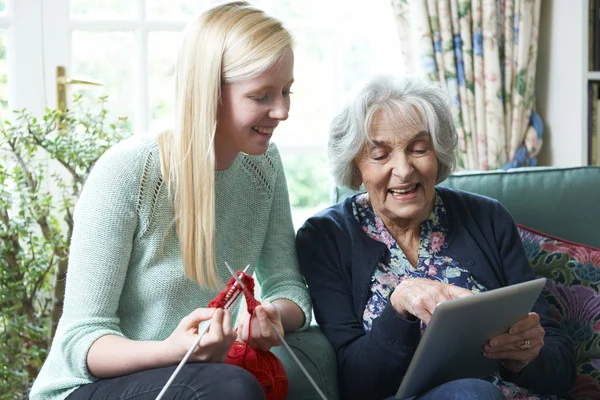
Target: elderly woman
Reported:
[(379, 262)]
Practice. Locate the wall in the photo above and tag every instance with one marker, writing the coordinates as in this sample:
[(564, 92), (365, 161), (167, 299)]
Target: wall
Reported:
[(561, 84)]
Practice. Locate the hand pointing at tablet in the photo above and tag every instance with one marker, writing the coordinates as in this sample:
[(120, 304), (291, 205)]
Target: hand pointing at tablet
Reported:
[(418, 297)]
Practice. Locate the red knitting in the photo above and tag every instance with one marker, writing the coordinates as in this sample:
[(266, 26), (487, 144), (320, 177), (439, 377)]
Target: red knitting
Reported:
[(264, 365)]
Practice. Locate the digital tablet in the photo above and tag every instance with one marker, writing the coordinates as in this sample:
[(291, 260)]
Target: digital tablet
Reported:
[(452, 346)]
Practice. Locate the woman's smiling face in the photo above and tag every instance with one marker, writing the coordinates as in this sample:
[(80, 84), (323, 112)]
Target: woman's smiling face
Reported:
[(251, 109), (398, 167)]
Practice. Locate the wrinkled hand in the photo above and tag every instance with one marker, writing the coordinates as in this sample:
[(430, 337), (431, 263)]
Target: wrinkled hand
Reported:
[(262, 336), (216, 342), (507, 347), (419, 297)]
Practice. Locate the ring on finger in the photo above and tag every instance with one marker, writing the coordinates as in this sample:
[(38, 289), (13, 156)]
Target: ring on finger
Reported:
[(526, 345)]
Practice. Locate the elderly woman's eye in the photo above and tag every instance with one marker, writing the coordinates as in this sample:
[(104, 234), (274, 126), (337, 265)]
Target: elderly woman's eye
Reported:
[(419, 148)]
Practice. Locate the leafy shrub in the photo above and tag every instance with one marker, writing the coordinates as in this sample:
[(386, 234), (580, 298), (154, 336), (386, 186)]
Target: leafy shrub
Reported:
[(43, 166)]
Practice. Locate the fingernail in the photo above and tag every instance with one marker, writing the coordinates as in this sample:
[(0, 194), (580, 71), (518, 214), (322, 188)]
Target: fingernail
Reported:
[(493, 343), (512, 331)]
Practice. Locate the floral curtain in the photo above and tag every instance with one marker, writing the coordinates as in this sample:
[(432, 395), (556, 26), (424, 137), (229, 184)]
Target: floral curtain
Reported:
[(485, 52)]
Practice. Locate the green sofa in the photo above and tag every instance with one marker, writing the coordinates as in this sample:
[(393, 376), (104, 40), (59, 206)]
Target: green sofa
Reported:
[(562, 202)]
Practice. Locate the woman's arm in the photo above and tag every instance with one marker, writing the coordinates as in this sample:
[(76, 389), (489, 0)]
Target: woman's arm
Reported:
[(292, 317), (112, 356), (370, 364), (277, 271), (105, 221)]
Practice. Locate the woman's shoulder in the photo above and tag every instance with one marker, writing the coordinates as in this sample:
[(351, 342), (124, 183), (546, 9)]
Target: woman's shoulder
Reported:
[(124, 166), (128, 155), (477, 208)]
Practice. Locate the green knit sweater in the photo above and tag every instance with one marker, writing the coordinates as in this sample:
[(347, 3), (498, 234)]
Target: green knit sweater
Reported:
[(125, 273)]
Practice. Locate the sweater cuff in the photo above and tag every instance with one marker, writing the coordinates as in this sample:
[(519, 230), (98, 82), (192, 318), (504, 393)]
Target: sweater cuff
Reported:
[(299, 296), (396, 331)]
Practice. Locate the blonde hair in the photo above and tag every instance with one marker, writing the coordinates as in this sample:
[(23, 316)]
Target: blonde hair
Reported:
[(227, 43)]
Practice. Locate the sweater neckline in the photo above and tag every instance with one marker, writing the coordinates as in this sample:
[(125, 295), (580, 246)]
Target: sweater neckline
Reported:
[(227, 172)]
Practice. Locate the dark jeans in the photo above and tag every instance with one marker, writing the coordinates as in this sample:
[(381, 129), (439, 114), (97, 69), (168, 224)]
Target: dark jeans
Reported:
[(194, 381), (462, 389)]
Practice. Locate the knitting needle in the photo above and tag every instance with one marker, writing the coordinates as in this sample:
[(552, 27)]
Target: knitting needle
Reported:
[(288, 348), (202, 328)]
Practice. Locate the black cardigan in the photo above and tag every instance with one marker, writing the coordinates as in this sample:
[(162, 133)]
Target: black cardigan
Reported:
[(338, 260)]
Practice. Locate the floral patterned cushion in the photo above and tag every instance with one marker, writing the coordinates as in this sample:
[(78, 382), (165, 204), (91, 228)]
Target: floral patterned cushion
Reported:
[(572, 290)]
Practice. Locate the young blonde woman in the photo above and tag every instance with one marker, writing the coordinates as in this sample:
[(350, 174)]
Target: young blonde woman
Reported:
[(159, 217)]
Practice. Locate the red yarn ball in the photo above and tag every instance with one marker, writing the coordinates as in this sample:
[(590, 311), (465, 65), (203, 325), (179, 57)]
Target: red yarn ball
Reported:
[(265, 367)]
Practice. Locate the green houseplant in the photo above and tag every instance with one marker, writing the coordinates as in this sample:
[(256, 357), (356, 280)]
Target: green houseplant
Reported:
[(44, 163)]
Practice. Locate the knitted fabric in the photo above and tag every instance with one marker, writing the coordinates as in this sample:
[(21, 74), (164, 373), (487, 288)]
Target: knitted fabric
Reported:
[(125, 273), (263, 365)]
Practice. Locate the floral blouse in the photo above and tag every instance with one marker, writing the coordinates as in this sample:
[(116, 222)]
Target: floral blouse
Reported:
[(394, 267)]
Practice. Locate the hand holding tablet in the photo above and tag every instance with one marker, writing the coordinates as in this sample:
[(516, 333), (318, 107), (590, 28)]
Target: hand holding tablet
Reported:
[(519, 346), (454, 341)]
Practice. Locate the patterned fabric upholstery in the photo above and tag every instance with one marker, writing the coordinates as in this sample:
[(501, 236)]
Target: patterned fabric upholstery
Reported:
[(573, 287)]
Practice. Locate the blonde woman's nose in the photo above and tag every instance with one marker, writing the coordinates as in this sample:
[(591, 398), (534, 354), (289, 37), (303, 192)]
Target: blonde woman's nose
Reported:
[(280, 110)]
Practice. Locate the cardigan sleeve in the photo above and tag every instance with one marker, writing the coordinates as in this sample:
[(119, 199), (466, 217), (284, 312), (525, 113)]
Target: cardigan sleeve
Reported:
[(553, 371), (370, 364)]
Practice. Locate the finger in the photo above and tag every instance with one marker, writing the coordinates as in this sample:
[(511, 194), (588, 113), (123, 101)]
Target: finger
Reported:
[(265, 338), (455, 292), (506, 339), (525, 324), (440, 295), (198, 315), (242, 325), (266, 330), (215, 332), (227, 324), (269, 337), (518, 355), (242, 333), (430, 302), (513, 346), (242, 316), (271, 310), (420, 311), (519, 334), (534, 335)]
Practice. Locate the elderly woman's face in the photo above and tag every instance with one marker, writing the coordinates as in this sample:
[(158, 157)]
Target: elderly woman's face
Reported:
[(399, 170)]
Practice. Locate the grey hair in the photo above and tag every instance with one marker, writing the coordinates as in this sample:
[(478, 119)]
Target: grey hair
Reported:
[(414, 99)]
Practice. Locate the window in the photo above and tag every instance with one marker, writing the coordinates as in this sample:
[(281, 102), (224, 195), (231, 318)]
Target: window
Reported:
[(338, 43), (4, 24), (131, 47)]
